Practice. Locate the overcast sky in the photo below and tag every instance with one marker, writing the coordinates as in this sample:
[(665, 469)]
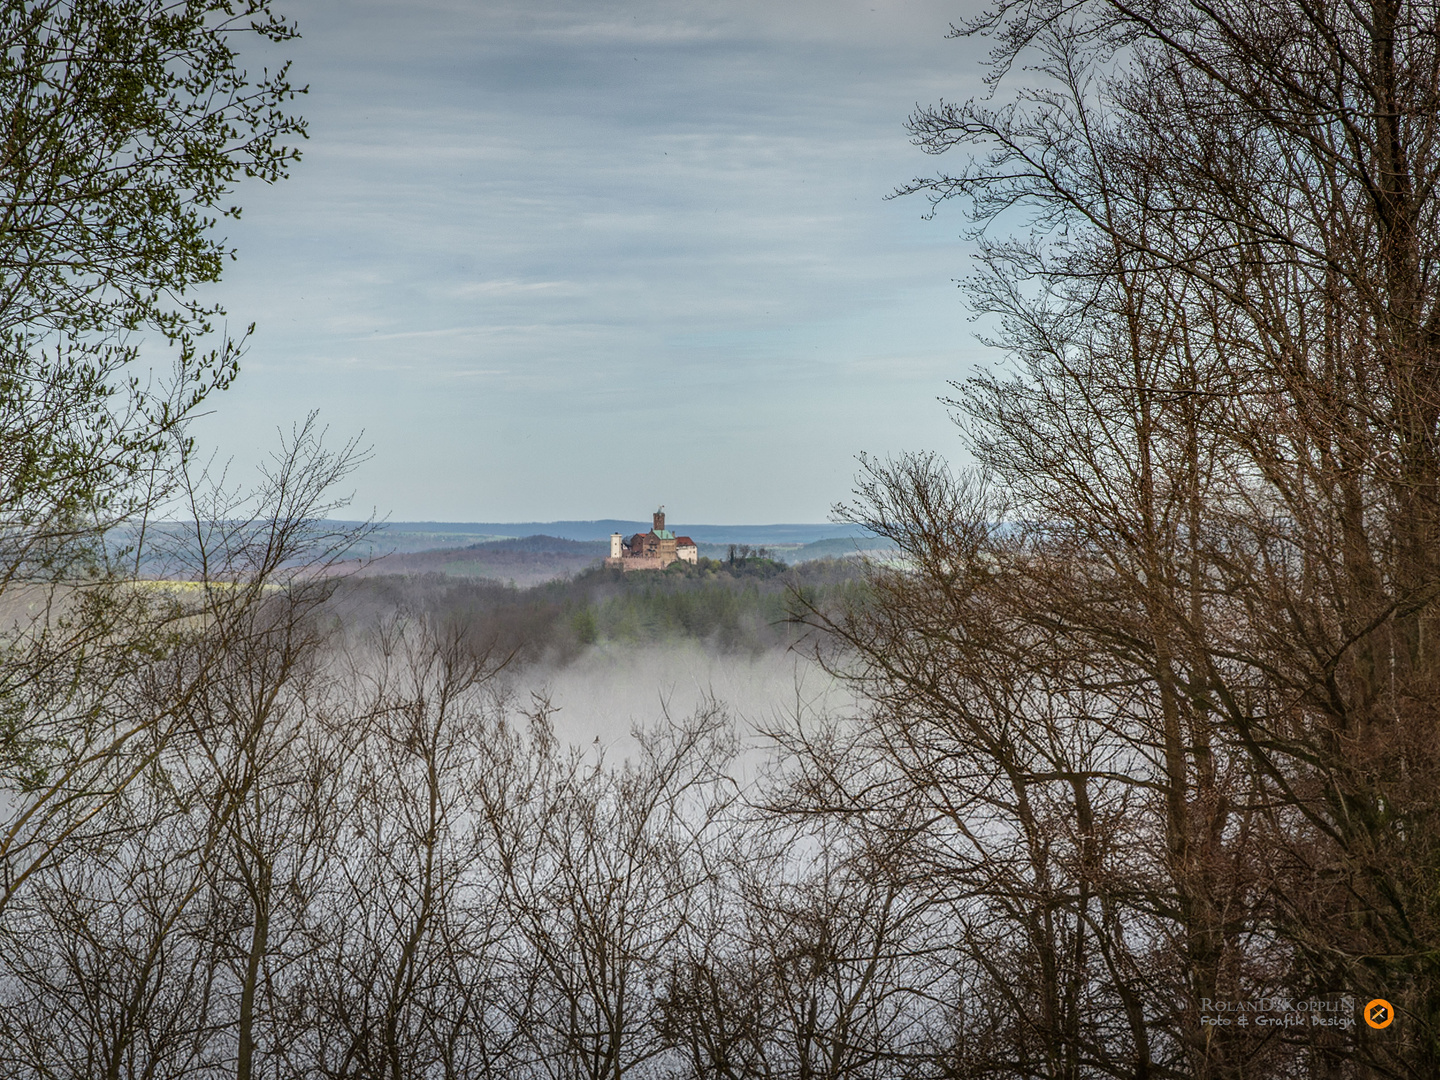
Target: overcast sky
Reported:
[(568, 260)]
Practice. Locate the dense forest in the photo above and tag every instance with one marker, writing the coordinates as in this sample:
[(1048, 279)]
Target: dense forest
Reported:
[(744, 603)]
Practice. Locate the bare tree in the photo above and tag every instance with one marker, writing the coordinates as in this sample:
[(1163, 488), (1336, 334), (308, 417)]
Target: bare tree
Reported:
[(1169, 677), (602, 869), (400, 986), (157, 752), (814, 956)]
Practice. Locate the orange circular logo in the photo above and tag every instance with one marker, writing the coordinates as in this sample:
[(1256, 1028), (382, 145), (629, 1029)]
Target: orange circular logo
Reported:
[(1379, 1013)]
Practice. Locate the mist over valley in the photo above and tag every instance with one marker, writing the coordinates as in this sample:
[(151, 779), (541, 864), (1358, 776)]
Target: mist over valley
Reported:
[(612, 650)]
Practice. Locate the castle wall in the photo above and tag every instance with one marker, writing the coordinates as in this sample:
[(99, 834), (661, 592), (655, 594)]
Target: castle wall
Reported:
[(640, 562)]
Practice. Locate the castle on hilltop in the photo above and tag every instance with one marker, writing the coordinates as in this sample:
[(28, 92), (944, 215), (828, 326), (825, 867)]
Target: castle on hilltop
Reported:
[(654, 550)]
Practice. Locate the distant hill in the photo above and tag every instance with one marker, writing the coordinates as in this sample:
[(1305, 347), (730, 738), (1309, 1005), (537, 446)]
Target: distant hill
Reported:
[(532, 560), (522, 561), (518, 552), (838, 547), (553, 544), (832, 547), (405, 536)]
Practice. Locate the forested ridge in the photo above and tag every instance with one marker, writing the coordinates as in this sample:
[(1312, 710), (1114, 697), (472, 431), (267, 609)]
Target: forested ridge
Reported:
[(747, 604)]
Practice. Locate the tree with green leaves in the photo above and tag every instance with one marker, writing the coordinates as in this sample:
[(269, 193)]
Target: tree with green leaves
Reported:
[(125, 126)]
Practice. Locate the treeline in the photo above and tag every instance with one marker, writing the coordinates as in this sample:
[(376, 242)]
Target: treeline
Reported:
[(746, 602)]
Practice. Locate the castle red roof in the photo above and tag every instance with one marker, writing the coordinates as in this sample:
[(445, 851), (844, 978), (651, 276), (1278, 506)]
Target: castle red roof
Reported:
[(685, 541)]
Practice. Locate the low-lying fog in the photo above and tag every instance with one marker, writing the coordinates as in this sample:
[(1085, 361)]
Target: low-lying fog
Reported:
[(613, 688)]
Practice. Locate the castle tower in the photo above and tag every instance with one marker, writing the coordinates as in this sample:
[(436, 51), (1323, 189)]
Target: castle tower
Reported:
[(659, 520), (615, 545)]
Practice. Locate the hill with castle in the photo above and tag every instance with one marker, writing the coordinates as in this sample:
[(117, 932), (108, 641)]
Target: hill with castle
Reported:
[(654, 550)]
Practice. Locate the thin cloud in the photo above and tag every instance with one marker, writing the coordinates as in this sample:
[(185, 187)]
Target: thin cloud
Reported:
[(570, 221)]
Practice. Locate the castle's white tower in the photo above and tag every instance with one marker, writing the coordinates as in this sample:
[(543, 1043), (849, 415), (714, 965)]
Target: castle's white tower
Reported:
[(615, 545)]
